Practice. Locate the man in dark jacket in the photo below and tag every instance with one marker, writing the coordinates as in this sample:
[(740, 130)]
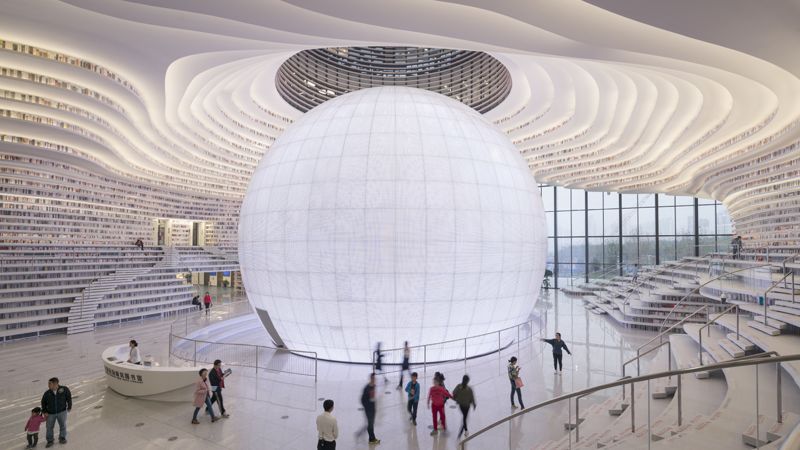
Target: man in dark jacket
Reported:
[(557, 344), (216, 378), (56, 402), (368, 402)]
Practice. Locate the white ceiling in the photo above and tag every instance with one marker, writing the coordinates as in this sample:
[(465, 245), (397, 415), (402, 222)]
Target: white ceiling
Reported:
[(644, 96)]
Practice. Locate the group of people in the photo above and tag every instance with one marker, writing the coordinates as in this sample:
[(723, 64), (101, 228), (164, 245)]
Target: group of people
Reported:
[(463, 395), (56, 404), (208, 390), (57, 400), (206, 302)]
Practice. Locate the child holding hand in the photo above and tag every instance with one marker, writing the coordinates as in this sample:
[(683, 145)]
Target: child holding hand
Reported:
[(32, 426)]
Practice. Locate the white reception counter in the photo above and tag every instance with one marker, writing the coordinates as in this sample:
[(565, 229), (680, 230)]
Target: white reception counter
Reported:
[(152, 382)]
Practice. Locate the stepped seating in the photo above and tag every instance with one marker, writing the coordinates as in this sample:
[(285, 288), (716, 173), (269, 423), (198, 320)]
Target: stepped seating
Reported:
[(40, 284), (741, 342), (725, 428), (766, 329), (647, 302), (52, 289), (770, 430)]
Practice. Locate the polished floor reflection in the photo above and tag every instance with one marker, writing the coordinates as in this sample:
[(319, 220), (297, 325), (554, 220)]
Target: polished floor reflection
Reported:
[(271, 410)]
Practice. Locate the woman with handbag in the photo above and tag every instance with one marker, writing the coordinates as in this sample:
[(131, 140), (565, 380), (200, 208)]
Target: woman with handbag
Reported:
[(516, 381), (201, 397)]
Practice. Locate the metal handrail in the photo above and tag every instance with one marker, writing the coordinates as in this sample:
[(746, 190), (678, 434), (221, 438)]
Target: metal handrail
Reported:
[(638, 357), (617, 267), (174, 335), (424, 347), (743, 362), (713, 321), (636, 287), (697, 290), (681, 322)]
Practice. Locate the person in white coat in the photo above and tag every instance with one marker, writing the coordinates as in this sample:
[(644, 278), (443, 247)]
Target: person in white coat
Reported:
[(134, 357)]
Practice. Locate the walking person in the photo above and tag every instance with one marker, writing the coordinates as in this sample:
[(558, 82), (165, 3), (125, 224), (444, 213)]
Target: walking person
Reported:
[(56, 404), (201, 397), (378, 358), (32, 427), (557, 344), (406, 365), (413, 389), (216, 378), (516, 381), (134, 357), (368, 402), (207, 302), (465, 397), (327, 427), (436, 397)]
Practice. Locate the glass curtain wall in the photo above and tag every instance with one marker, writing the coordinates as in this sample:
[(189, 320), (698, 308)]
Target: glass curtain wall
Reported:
[(602, 234)]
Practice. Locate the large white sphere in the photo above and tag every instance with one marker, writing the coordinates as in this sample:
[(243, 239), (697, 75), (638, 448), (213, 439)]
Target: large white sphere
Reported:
[(391, 214)]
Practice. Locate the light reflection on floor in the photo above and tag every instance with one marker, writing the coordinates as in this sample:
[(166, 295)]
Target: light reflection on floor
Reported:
[(277, 411)]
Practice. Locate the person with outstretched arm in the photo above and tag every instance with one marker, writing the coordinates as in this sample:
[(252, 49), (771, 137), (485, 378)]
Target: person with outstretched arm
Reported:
[(558, 345)]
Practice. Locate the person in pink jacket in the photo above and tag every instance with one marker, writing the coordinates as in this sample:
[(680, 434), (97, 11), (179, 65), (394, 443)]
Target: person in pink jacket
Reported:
[(436, 397), (201, 397), (32, 427)]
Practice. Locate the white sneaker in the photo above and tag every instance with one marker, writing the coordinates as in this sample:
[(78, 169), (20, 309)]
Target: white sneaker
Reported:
[(555, 372)]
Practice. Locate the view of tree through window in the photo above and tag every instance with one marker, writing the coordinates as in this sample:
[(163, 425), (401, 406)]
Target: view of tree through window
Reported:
[(601, 234)]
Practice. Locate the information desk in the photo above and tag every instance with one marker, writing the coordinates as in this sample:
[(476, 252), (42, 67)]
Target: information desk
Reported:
[(148, 381)]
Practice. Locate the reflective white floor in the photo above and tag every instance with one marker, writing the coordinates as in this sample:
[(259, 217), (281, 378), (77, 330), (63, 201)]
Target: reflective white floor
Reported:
[(278, 411)]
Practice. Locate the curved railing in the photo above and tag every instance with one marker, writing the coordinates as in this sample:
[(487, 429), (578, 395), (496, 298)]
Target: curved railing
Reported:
[(300, 362), (678, 373), (257, 357), (462, 349)]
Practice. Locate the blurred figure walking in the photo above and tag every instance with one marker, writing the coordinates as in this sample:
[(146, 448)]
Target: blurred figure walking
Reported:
[(465, 397)]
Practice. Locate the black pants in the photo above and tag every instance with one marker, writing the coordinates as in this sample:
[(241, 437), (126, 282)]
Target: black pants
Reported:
[(557, 361), (326, 445), (216, 396), (464, 412), (370, 412), (514, 388), (33, 439), (412, 409)]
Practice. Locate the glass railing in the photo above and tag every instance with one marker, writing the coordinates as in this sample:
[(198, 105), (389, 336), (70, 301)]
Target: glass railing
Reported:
[(755, 402)]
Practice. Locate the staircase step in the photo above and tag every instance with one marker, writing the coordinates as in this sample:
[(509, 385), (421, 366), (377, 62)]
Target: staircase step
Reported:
[(788, 304), (618, 409), (732, 349), (764, 328), (668, 392), (771, 322), (571, 425), (786, 310), (742, 343)]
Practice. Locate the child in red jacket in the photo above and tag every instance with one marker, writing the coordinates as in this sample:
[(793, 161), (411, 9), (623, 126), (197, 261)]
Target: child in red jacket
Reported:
[(32, 427), (436, 397)]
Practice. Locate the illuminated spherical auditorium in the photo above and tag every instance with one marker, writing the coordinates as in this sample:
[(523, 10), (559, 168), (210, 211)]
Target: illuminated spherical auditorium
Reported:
[(391, 214), (592, 209)]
